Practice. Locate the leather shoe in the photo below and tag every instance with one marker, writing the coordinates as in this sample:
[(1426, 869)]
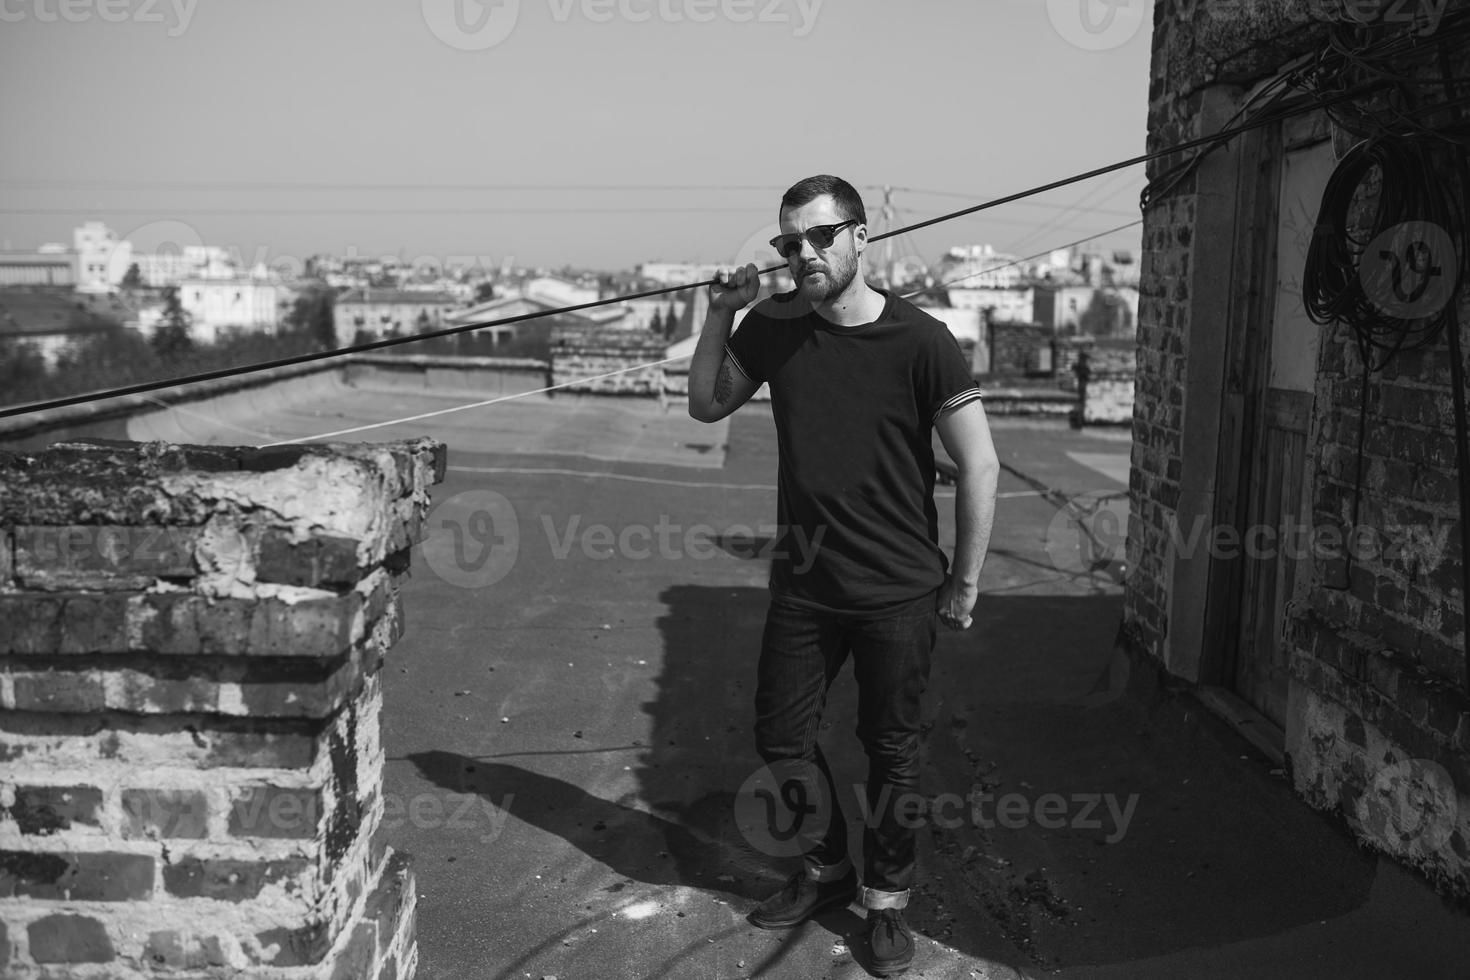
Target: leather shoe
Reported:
[(890, 941), (801, 898)]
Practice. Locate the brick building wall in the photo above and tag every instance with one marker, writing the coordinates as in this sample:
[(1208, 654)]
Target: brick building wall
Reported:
[(595, 355), (190, 649), (1019, 348), (1378, 722), (1110, 356)]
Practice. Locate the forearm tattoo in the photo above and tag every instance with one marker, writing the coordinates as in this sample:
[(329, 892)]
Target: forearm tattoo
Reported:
[(724, 384)]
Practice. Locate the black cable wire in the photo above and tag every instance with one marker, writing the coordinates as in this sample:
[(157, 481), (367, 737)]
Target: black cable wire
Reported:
[(33, 407), (1026, 258), (1457, 379), (1325, 77), (1394, 172)]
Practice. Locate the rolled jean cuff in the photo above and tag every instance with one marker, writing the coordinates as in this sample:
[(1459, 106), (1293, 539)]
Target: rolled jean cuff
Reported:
[(872, 898), (827, 872)]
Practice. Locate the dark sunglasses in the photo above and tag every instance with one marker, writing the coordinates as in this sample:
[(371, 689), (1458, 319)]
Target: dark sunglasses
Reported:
[(821, 236)]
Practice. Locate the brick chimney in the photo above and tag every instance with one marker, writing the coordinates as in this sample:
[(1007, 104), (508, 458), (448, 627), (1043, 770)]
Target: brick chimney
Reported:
[(190, 762)]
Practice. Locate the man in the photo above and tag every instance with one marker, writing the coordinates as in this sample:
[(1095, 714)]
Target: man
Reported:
[(859, 380)]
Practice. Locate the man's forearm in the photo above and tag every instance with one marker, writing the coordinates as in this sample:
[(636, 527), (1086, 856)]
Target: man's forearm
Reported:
[(709, 354), (974, 515)]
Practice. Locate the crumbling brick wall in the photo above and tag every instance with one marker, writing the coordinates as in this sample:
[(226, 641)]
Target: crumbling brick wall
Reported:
[(1018, 348), (191, 641), (1378, 726)]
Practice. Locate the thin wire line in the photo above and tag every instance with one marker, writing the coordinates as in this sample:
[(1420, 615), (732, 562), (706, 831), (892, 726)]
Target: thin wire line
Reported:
[(1031, 204), (1215, 138), (636, 367), (400, 211), (63, 183), (461, 408), (204, 418), (1026, 258), (610, 475)]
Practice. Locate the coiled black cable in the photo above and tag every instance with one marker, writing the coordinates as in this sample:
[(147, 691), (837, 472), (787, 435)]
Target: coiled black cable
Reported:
[(1336, 286), (1389, 205)]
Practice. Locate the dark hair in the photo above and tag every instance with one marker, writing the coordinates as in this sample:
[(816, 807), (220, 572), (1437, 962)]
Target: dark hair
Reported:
[(848, 201)]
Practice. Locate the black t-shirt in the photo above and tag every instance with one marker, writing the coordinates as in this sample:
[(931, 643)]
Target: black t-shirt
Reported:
[(855, 409)]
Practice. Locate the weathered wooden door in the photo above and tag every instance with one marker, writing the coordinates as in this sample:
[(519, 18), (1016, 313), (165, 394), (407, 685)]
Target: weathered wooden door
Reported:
[(1266, 412)]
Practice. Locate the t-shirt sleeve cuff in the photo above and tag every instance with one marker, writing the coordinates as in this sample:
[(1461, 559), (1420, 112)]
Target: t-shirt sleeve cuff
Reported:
[(736, 361), (955, 401)]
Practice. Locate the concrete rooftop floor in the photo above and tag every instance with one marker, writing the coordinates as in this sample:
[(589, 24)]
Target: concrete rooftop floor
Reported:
[(566, 729)]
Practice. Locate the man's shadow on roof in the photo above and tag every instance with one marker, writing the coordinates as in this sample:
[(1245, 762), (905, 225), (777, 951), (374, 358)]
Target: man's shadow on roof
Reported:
[(694, 844)]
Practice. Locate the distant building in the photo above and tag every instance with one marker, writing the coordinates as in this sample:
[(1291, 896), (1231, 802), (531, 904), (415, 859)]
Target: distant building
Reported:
[(103, 260), (381, 312), (965, 324), (217, 305), (981, 267), (160, 269), (555, 291), (97, 249), (1095, 311), (39, 268), (500, 308), (1014, 305), (677, 273), (462, 292), (49, 321), (642, 311)]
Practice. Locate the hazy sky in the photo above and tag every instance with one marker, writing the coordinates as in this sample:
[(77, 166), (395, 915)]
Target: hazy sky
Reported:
[(590, 132)]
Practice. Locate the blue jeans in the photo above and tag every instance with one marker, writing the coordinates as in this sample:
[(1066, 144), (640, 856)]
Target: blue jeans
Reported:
[(802, 651)]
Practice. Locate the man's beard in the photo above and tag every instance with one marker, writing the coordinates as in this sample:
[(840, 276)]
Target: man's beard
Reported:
[(835, 279)]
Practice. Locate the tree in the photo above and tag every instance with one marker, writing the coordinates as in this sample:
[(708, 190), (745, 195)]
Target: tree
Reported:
[(22, 372), (133, 278), (656, 325), (484, 292), (172, 339), (313, 313)]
